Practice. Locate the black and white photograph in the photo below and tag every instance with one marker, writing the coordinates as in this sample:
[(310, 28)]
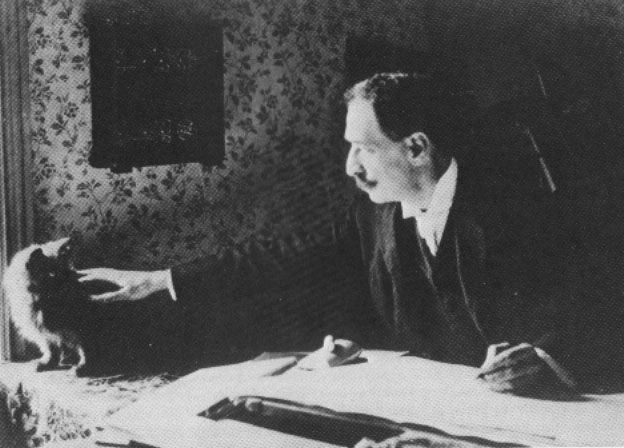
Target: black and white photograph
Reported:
[(311, 223)]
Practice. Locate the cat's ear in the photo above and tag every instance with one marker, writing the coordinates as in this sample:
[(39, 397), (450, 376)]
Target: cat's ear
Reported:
[(36, 257), (66, 249)]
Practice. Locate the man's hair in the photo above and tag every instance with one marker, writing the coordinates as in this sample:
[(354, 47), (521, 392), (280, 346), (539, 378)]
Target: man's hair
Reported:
[(405, 103)]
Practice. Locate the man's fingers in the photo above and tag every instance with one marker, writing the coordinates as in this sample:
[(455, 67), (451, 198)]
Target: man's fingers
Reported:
[(512, 376), (85, 274), (513, 369), (494, 349), (393, 442), (522, 369), (510, 357), (88, 273), (99, 274), (521, 376), (96, 278), (111, 296), (92, 271), (523, 385), (365, 443), (86, 278)]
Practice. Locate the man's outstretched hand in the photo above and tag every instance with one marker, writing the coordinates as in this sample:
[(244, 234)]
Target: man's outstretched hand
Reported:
[(133, 285)]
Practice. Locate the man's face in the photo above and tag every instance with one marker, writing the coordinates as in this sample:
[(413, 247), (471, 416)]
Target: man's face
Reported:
[(380, 166)]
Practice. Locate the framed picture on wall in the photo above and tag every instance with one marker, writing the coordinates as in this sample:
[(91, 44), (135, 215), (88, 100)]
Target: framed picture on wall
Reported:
[(157, 87)]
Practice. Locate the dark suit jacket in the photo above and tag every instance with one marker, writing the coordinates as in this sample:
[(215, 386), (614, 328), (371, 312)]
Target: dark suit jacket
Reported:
[(503, 272)]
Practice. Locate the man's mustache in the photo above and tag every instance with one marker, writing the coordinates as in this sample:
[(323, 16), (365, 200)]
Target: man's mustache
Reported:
[(362, 182)]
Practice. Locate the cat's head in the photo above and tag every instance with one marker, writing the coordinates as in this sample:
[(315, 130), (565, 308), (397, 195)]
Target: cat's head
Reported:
[(50, 265)]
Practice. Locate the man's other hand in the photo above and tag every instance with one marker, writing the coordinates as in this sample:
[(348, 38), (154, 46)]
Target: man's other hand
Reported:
[(517, 369), (133, 285)]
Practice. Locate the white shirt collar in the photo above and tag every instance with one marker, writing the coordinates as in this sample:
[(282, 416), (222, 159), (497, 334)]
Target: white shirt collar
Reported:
[(442, 198), (432, 221)]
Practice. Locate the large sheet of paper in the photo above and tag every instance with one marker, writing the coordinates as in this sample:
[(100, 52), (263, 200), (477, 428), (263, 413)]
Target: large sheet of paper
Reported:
[(408, 389)]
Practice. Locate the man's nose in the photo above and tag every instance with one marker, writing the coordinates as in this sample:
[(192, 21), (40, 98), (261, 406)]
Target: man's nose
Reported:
[(352, 165)]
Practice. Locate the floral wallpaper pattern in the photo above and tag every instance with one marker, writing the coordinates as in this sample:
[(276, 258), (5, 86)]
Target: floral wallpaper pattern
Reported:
[(284, 152)]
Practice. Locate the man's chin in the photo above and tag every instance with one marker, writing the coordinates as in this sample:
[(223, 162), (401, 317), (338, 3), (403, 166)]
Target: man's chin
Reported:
[(372, 191), (376, 197)]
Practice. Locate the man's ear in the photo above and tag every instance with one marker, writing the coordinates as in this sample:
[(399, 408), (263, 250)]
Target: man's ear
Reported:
[(417, 144)]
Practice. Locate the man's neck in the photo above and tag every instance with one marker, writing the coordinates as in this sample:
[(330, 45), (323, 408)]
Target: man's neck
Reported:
[(420, 199), (441, 163)]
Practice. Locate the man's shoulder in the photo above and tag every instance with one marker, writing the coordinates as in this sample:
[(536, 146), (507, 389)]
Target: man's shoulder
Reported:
[(492, 189), (496, 201)]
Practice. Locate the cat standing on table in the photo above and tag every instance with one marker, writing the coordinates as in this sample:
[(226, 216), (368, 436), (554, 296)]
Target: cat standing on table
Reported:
[(52, 309), (43, 293)]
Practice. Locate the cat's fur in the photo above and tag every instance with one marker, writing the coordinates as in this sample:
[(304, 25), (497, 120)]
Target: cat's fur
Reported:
[(48, 304)]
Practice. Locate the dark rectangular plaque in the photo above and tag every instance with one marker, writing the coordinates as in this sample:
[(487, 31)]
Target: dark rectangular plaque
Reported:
[(157, 89)]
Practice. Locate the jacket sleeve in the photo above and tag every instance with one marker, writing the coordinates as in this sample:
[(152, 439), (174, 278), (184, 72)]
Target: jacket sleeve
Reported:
[(276, 295)]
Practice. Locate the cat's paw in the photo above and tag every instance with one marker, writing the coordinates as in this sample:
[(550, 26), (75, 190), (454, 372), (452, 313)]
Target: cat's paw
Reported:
[(84, 370), (65, 366), (46, 366)]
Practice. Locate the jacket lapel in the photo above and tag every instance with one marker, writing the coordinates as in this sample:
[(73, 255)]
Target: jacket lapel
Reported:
[(462, 251), (463, 230)]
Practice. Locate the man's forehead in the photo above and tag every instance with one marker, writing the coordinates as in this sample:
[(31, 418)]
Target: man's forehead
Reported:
[(361, 123)]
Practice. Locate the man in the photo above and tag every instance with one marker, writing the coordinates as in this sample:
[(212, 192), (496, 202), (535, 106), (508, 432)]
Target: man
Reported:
[(455, 265)]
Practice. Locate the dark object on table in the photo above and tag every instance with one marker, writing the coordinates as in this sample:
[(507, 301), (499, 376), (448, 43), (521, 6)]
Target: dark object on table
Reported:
[(319, 423)]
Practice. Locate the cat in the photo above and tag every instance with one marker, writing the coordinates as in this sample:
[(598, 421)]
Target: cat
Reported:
[(48, 305), (52, 309)]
